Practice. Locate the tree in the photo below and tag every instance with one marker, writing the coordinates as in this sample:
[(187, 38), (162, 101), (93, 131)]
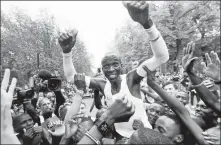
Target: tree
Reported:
[(182, 21), (22, 38), (131, 43)]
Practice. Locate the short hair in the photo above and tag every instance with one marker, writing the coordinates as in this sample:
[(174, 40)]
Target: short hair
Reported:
[(111, 54), (40, 101), (176, 119), (149, 136), (16, 121), (168, 83)]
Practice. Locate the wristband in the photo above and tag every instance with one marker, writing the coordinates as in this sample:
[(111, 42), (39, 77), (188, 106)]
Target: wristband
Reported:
[(69, 54), (93, 138)]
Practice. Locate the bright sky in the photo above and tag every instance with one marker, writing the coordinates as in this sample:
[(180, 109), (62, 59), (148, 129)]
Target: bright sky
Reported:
[(96, 21)]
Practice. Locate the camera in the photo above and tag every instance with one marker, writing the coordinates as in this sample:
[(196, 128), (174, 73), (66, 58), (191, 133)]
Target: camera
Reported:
[(23, 94), (44, 81), (51, 84), (54, 84)]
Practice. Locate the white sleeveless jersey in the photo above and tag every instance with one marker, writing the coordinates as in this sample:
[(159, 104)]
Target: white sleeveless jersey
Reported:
[(125, 128)]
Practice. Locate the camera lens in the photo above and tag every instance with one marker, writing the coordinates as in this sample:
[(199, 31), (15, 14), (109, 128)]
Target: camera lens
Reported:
[(54, 84)]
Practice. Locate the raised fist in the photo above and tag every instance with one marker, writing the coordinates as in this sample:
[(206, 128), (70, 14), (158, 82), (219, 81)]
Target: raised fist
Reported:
[(67, 40), (138, 11)]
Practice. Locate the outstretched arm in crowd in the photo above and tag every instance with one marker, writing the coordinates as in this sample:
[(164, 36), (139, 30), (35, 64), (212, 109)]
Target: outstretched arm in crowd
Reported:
[(69, 122), (7, 132), (139, 12), (204, 93), (152, 95), (59, 101), (75, 106), (178, 108), (67, 42), (31, 111)]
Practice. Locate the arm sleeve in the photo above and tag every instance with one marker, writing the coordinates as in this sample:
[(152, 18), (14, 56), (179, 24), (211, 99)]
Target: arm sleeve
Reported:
[(159, 49), (68, 65), (69, 69)]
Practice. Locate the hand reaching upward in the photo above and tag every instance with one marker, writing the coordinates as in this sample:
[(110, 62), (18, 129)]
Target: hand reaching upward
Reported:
[(138, 11), (67, 40), (7, 131), (213, 66), (188, 59)]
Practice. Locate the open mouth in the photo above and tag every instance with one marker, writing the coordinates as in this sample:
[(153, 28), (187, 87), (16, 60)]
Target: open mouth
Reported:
[(112, 76)]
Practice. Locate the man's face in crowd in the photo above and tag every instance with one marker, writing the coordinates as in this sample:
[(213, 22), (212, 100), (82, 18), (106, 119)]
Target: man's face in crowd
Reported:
[(169, 128), (154, 112), (182, 97), (111, 66), (203, 111), (46, 106), (170, 89), (26, 122)]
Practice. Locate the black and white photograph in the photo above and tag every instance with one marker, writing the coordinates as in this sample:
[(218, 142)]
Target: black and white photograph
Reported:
[(110, 72)]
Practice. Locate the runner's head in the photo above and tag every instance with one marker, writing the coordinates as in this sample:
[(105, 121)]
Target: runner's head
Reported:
[(111, 66)]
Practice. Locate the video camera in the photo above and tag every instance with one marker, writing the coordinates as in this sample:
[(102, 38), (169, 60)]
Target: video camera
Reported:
[(22, 94), (54, 84), (46, 82)]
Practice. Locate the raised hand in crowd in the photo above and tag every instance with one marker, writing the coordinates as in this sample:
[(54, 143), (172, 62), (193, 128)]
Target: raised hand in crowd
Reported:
[(212, 69), (212, 136), (178, 108), (7, 132), (71, 126), (188, 59), (28, 136), (210, 99), (139, 12), (68, 40)]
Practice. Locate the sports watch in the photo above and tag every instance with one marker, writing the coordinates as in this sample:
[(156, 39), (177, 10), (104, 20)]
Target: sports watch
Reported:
[(103, 127)]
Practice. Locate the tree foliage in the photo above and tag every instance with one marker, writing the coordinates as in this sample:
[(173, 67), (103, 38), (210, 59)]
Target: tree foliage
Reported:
[(131, 43), (179, 23), (22, 38)]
